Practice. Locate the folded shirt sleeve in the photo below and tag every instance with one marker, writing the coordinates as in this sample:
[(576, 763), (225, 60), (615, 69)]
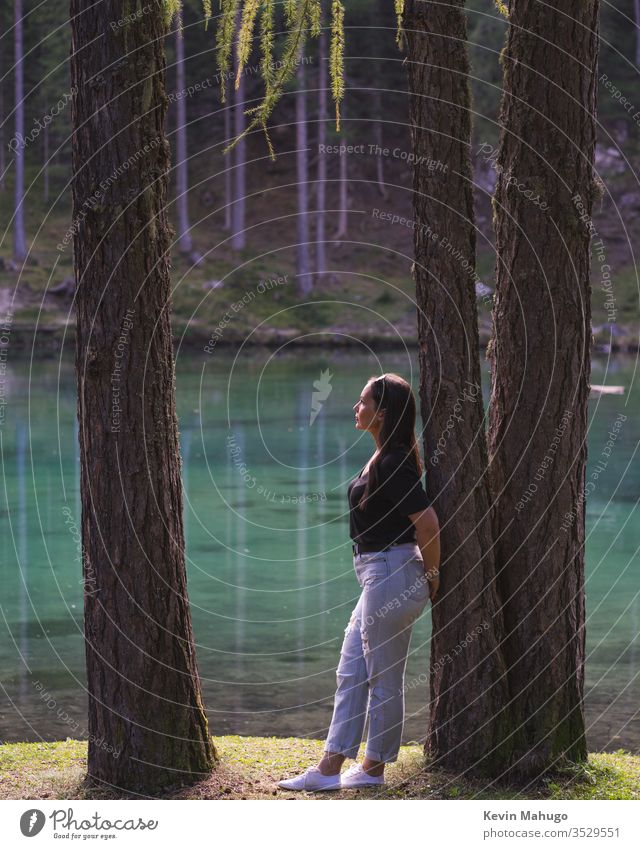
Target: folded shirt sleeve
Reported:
[(402, 486)]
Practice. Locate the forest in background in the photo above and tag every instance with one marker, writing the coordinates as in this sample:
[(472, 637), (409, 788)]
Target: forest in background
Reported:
[(231, 243)]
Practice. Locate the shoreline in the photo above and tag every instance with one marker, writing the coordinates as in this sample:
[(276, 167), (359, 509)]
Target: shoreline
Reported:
[(50, 339)]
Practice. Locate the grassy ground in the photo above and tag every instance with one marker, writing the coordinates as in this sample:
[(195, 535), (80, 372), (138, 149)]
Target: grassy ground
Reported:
[(250, 767)]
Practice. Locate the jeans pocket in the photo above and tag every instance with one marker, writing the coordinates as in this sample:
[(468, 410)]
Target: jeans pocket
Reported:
[(418, 589), (374, 569), (372, 557)]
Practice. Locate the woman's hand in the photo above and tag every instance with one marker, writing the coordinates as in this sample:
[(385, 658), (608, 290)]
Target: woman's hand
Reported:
[(428, 539), (434, 584)]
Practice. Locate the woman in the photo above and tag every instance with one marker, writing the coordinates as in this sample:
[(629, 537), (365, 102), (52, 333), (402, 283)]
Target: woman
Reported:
[(396, 559)]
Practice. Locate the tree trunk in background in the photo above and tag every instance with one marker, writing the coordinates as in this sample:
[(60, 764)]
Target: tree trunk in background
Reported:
[(541, 367), (380, 142), (383, 10), (238, 238), (321, 193), (45, 165), (3, 160), (469, 719), (185, 242), (227, 164), (343, 186), (303, 266), (143, 685), (19, 237), (636, 11)]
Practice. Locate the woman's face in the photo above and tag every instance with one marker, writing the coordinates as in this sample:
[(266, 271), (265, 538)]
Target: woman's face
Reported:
[(365, 409)]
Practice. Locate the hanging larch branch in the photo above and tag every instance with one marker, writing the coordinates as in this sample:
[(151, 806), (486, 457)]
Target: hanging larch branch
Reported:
[(237, 26), (399, 7), (224, 41), (245, 35), (170, 10), (206, 7), (336, 57)]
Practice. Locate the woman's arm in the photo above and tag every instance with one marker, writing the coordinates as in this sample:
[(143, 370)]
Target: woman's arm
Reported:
[(428, 538)]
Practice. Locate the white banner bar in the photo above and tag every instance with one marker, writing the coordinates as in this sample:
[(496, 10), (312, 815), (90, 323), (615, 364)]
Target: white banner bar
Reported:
[(311, 824)]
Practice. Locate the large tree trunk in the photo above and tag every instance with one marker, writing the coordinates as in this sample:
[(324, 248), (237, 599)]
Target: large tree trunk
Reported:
[(303, 265), (144, 692), (19, 237), (185, 242), (469, 722), (541, 366)]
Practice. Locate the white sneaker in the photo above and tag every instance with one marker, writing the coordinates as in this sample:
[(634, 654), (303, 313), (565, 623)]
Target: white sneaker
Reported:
[(355, 776), (311, 779)]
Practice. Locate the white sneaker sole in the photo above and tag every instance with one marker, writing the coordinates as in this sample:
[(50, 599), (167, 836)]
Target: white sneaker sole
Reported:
[(283, 786)]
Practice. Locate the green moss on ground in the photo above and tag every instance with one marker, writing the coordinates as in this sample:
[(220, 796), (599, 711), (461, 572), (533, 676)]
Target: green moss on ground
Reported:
[(250, 767)]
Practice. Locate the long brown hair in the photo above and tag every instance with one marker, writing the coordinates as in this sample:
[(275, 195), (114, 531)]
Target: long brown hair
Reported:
[(393, 394)]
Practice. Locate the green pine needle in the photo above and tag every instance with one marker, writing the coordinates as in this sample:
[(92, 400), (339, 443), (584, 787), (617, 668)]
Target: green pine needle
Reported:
[(224, 41), (399, 7), (336, 57)]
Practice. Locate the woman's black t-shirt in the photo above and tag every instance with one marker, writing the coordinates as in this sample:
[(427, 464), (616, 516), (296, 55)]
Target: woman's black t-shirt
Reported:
[(399, 494)]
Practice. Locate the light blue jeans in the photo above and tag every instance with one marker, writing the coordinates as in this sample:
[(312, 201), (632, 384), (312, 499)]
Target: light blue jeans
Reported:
[(370, 674)]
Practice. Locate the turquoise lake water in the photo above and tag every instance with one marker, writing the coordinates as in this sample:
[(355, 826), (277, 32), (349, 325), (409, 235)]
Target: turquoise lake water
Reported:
[(270, 574)]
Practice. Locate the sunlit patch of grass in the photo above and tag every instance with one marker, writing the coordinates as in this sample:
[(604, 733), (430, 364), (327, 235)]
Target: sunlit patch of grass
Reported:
[(250, 767)]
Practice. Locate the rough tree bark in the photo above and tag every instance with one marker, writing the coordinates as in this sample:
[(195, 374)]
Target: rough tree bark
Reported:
[(469, 719), (142, 679), (185, 241), (540, 368)]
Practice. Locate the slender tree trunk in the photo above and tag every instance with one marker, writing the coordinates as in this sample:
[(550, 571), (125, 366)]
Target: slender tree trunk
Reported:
[(228, 165), (3, 160), (302, 174), (19, 237), (239, 239), (45, 165), (379, 142), (185, 242), (383, 12), (636, 10), (343, 190), (541, 367), (469, 721), (145, 703), (321, 193)]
